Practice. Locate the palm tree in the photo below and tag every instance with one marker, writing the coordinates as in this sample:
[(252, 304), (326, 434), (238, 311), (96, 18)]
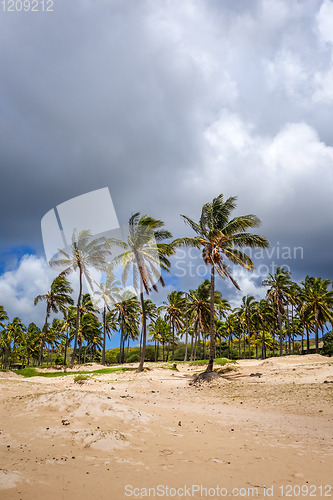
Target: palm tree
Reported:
[(14, 334), (151, 311), (89, 332), (126, 312), (264, 315), (32, 342), (160, 333), (86, 254), (279, 294), (144, 255), (56, 300), (68, 326), (318, 301), (175, 308), (109, 292), (222, 238), (245, 312), (295, 301)]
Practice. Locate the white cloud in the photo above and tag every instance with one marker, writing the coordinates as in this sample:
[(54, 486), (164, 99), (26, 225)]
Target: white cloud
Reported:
[(325, 21), (19, 287)]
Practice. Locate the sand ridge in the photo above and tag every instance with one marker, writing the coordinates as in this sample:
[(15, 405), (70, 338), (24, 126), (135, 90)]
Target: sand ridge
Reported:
[(263, 423)]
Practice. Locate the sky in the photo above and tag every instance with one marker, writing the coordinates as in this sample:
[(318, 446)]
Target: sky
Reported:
[(168, 104)]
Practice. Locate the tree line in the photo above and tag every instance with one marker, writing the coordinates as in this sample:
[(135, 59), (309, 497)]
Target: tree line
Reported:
[(200, 315)]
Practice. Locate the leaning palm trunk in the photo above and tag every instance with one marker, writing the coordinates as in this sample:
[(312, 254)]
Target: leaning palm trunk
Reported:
[(293, 327), (173, 340), (263, 345), (144, 336), (249, 333), (186, 337), (77, 318), (212, 325), (42, 340), (280, 328), (316, 332), (192, 345), (307, 341), (104, 336)]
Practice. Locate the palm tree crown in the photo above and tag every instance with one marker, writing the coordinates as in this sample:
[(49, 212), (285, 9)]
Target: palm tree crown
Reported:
[(221, 237)]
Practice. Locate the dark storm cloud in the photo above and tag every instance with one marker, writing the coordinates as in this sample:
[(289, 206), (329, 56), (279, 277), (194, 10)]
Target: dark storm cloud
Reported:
[(169, 104)]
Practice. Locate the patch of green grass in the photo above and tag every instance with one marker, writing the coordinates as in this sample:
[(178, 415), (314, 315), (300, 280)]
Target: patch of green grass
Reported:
[(32, 372), (4, 370), (81, 379), (170, 366)]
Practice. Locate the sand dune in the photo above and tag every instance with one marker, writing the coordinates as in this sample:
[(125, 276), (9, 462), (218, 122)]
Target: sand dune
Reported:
[(264, 424)]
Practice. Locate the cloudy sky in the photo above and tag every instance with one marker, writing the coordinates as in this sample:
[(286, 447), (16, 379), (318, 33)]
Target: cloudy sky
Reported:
[(168, 104)]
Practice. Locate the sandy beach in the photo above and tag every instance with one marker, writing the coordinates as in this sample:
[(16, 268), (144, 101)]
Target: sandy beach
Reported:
[(265, 428)]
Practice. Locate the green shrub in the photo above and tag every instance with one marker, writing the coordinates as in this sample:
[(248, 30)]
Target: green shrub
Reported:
[(328, 343), (150, 353), (81, 379), (59, 359), (133, 358)]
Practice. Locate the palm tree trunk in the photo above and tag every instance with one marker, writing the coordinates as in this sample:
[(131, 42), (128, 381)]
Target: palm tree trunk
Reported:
[(186, 338), (280, 328), (141, 341), (128, 343), (249, 334), (229, 346), (66, 343), (212, 324), (173, 340), (307, 340), (144, 337), (77, 318), (263, 345), (203, 346), (195, 345), (43, 336), (168, 350), (316, 332), (121, 343), (293, 327), (192, 345), (104, 335), (255, 340)]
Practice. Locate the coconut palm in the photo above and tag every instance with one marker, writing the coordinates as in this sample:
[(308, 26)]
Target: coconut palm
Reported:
[(56, 300), (144, 255), (13, 334), (175, 309), (279, 294), (264, 315), (126, 313), (89, 332), (86, 254), (32, 342), (245, 312), (221, 238), (109, 292), (296, 302), (3, 317), (199, 306), (159, 333), (152, 312), (318, 301)]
